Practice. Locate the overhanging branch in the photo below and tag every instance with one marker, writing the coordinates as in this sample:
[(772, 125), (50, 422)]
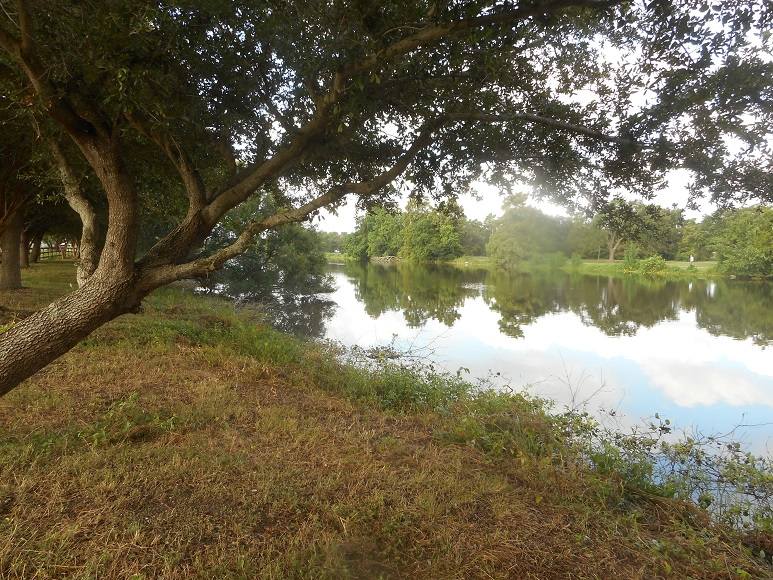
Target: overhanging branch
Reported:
[(202, 266), (258, 175), (194, 185), (541, 120)]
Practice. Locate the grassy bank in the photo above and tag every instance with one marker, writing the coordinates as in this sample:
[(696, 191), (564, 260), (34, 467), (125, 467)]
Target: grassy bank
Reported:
[(674, 269), (191, 440), (333, 258)]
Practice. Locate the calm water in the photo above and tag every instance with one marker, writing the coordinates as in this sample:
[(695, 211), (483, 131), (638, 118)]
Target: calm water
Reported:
[(699, 353)]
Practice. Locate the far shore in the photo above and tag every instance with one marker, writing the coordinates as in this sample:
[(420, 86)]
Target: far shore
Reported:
[(675, 268)]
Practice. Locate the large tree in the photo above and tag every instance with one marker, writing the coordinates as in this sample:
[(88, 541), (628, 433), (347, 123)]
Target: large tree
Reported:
[(16, 193), (621, 221), (307, 102)]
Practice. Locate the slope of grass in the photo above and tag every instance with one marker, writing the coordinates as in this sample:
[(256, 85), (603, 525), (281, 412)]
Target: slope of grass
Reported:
[(192, 441), (333, 258), (675, 269)]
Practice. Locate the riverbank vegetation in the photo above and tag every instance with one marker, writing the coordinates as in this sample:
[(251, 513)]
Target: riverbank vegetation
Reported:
[(191, 440), (653, 240)]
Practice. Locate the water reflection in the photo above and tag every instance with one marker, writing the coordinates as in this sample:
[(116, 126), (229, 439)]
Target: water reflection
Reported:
[(300, 308), (616, 306), (695, 352), (301, 315), (421, 293)]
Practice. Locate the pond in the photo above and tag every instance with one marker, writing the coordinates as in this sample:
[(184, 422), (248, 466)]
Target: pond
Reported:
[(698, 353)]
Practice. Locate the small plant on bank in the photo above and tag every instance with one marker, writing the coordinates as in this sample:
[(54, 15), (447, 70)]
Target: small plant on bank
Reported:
[(631, 258), (652, 266), (126, 420)]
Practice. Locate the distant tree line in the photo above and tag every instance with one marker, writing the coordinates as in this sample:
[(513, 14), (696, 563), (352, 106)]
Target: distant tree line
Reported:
[(420, 233), (741, 240), (332, 241), (524, 233)]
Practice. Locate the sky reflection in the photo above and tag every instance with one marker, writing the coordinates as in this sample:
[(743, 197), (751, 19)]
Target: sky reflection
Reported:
[(692, 374)]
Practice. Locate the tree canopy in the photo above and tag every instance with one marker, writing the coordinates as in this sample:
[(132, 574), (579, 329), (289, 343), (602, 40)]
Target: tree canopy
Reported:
[(189, 109)]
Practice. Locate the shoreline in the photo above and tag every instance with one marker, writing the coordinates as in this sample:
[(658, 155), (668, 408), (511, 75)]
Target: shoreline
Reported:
[(675, 270)]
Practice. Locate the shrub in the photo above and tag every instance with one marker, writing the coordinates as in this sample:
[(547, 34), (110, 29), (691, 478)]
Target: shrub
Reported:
[(652, 266), (631, 257)]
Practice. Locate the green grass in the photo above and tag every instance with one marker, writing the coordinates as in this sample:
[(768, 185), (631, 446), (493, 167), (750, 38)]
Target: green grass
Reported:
[(700, 266), (334, 258), (193, 441), (675, 269)]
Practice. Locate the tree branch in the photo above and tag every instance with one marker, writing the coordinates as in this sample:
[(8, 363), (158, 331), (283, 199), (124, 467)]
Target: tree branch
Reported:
[(256, 176), (89, 242), (226, 150), (433, 33), (194, 185), (190, 231), (202, 266), (540, 120), (24, 26)]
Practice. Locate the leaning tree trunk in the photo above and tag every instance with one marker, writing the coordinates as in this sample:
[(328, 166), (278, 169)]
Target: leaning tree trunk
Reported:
[(10, 268), (24, 249), (36, 341), (35, 253)]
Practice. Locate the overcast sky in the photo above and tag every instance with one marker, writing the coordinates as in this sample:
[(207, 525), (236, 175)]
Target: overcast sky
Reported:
[(491, 203)]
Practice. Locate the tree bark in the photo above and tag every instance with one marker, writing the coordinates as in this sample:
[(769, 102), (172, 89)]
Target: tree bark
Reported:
[(35, 254), (10, 268), (36, 341), (89, 250), (24, 249), (612, 245)]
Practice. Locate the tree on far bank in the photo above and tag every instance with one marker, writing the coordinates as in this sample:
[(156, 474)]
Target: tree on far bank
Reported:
[(695, 241), (621, 222), (419, 234), (661, 230), (475, 235), (523, 233), (743, 242), (332, 241), (430, 235), (584, 238)]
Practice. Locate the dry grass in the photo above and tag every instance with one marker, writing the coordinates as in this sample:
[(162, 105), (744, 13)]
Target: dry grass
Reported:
[(166, 446)]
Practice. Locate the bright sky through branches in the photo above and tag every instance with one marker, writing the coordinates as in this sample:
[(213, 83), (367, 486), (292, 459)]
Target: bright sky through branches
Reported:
[(490, 202)]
